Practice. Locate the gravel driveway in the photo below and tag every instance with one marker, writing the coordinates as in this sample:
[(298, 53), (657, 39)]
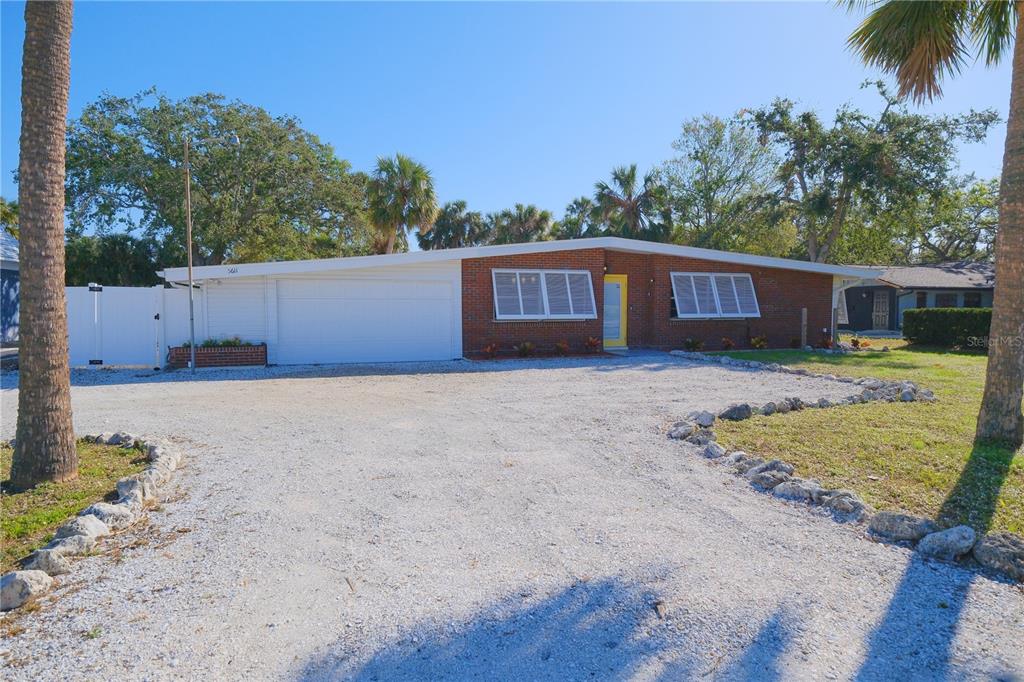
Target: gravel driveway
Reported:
[(518, 520)]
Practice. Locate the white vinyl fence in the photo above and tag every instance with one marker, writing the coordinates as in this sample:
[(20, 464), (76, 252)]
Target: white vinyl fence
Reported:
[(128, 326)]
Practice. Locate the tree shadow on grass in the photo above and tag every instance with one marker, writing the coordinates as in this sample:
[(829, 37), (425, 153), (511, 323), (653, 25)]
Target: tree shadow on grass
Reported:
[(596, 630), (920, 623)]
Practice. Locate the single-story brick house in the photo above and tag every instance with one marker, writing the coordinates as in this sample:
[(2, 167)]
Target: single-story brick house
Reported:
[(10, 289), (446, 304), (879, 304)]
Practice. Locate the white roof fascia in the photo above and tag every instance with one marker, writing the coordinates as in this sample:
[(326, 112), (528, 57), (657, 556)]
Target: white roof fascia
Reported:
[(440, 255)]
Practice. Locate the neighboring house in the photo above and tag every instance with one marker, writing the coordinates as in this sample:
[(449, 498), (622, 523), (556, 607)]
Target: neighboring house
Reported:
[(10, 288), (880, 304), (445, 304)]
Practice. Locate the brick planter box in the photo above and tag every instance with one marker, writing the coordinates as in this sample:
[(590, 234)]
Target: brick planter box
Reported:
[(223, 356)]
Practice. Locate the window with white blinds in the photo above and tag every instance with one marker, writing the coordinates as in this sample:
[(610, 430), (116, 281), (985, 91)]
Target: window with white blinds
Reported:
[(543, 294), (700, 294)]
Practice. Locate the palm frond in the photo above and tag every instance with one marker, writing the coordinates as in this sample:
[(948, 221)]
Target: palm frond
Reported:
[(993, 27), (920, 43)]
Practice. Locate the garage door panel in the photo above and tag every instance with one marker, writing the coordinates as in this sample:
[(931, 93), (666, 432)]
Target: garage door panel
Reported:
[(363, 320)]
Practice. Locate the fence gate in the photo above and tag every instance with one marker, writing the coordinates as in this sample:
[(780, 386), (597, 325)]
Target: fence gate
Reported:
[(118, 326)]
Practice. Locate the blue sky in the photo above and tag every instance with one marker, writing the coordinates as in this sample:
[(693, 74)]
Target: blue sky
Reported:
[(504, 103)]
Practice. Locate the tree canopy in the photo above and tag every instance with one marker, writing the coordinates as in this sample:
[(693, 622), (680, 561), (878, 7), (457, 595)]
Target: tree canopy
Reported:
[(401, 197), (455, 227), (280, 194), (826, 168)]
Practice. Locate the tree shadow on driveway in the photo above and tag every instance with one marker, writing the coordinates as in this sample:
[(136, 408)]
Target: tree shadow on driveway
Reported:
[(916, 635), (595, 630)]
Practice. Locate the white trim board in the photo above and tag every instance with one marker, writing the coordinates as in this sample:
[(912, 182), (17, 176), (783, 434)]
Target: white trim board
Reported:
[(610, 243)]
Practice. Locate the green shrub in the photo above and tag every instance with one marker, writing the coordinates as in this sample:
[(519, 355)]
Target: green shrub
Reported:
[(233, 342), (949, 327)]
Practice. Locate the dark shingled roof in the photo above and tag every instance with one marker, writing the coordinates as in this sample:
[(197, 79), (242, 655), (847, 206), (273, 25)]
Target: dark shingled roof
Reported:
[(962, 275)]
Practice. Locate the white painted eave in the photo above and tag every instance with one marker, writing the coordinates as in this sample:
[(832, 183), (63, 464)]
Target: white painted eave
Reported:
[(283, 268)]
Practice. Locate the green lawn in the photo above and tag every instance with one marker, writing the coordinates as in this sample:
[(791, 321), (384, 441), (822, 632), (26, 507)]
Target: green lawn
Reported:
[(916, 457), (29, 518)]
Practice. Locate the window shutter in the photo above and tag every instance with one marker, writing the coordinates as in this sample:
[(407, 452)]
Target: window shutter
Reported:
[(682, 287), (558, 293), (506, 294), (581, 293), (705, 295), (727, 294), (529, 292), (745, 295)]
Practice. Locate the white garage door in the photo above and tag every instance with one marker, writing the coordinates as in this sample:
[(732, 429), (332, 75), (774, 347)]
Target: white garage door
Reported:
[(364, 320)]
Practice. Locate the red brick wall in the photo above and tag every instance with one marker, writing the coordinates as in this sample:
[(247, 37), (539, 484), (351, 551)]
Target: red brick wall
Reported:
[(479, 326), (780, 294), (226, 356)]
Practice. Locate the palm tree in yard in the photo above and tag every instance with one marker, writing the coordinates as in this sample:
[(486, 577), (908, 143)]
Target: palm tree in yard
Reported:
[(520, 224), (631, 207), (45, 447), (920, 43), (401, 197), (455, 227)]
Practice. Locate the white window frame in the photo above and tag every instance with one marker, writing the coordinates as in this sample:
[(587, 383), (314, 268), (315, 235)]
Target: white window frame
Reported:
[(543, 293), (714, 288)]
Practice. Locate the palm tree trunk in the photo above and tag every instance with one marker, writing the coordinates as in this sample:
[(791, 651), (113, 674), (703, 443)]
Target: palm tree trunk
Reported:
[(392, 236), (1000, 416), (45, 447)]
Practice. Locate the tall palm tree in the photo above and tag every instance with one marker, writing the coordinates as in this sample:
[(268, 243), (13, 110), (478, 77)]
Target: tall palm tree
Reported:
[(520, 224), (581, 220), (401, 197), (45, 447), (632, 208), (921, 43), (455, 227)]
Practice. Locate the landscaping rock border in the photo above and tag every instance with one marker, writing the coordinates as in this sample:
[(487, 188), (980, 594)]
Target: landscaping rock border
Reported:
[(79, 536), (1000, 552)]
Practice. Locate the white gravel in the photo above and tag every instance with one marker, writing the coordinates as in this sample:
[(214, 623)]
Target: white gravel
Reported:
[(514, 520)]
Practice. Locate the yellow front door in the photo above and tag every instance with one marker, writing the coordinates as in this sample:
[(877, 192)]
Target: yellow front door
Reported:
[(614, 311)]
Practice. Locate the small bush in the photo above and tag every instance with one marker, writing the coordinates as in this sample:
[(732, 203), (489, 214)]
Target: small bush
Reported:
[(948, 327), (562, 348), (759, 342), (593, 345), (233, 342), (826, 341), (525, 349), (693, 345), (864, 343), (727, 343), (491, 350)]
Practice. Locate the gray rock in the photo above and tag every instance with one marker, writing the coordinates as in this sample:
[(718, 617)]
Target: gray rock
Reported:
[(702, 418), (783, 406), (121, 438), (48, 561), (900, 527), (747, 463), (713, 450), (771, 465), (1002, 552), (17, 587), (116, 516), (73, 545), (681, 430), (702, 437), (736, 412), (845, 504), (735, 457), (947, 544), (800, 490), (808, 348), (83, 525), (768, 409), (907, 396), (824, 402), (766, 480), (885, 349), (136, 486)]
